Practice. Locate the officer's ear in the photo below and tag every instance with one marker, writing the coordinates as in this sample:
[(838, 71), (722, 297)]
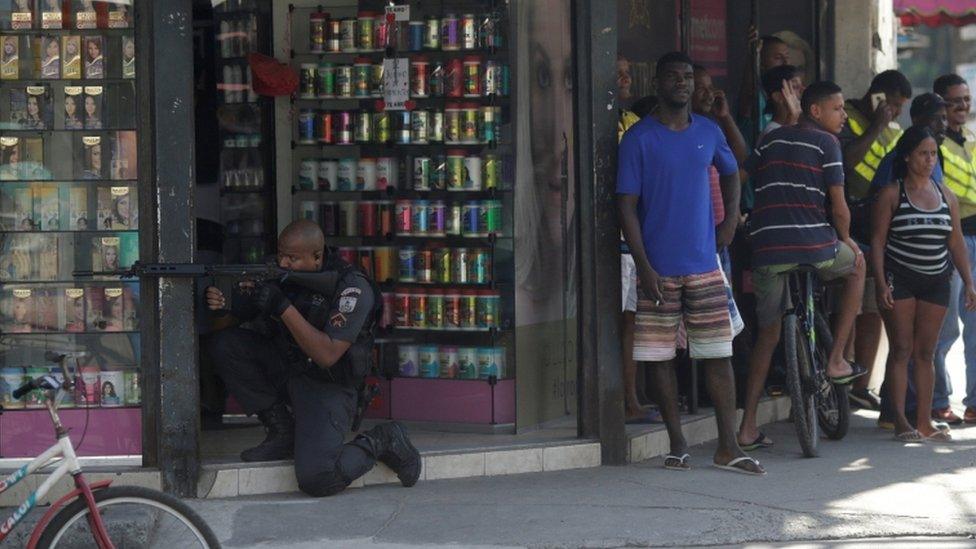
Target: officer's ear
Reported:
[(317, 255)]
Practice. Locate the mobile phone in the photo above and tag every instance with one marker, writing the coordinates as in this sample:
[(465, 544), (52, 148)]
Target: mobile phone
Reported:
[(876, 99)]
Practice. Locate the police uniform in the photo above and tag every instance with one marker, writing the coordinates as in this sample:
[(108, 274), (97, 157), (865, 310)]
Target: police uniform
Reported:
[(262, 366)]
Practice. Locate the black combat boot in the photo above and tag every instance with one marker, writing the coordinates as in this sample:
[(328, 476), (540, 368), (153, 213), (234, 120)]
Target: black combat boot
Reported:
[(280, 441), (391, 446)]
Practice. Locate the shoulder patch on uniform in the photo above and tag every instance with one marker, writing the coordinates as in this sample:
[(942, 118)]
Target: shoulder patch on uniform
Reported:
[(347, 303), (351, 291), (338, 320)]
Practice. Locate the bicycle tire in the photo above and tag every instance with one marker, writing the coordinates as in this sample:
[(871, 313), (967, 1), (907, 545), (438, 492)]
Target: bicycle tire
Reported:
[(802, 401), (78, 510), (836, 399)]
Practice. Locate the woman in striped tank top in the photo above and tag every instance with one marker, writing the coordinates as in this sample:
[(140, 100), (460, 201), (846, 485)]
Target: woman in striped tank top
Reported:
[(916, 241)]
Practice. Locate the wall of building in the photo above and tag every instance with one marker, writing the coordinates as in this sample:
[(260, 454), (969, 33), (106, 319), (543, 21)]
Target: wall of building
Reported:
[(864, 43)]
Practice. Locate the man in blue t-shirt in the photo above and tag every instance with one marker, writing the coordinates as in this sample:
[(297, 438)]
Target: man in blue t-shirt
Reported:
[(664, 202)]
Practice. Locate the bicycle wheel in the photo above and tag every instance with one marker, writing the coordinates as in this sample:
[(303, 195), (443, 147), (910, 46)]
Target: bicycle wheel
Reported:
[(833, 407), (798, 370), (134, 517)]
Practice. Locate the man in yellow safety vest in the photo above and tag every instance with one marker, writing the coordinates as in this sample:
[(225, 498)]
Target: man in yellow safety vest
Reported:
[(870, 134), (958, 151)]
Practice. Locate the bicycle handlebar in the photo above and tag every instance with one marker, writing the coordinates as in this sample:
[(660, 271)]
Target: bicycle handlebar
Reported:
[(24, 389)]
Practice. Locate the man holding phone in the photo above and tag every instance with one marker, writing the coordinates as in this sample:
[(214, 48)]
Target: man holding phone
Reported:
[(870, 133)]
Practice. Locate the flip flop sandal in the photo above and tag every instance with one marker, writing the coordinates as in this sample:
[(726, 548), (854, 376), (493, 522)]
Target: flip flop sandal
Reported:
[(940, 437), (762, 441), (734, 466), (909, 436), (677, 463), (856, 371), (645, 418)]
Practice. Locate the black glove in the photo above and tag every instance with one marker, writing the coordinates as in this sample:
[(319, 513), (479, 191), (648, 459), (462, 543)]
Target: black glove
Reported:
[(271, 299)]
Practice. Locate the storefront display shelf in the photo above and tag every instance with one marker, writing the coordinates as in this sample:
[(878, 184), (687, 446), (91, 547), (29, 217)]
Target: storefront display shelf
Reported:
[(372, 54), (107, 431), (445, 400), (233, 190), (414, 240), (392, 192), (63, 333)]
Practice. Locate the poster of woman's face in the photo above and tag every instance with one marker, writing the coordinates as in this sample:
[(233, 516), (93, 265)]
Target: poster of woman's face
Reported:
[(93, 112), (72, 116), (94, 58)]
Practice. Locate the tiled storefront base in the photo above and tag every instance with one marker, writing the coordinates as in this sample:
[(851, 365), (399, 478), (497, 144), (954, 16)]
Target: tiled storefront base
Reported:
[(444, 458)]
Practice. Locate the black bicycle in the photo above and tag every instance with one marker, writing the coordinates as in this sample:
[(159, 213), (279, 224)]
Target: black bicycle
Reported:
[(818, 404)]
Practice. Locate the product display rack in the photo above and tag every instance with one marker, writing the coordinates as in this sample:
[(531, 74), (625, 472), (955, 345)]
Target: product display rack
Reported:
[(69, 201), (451, 389)]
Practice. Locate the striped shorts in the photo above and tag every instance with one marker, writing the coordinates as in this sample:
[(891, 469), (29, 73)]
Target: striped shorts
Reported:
[(701, 303)]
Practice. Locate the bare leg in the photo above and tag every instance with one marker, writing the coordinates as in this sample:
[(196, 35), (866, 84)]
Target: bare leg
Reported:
[(868, 330), (632, 403), (849, 304), (665, 390), (900, 324), (721, 387), (762, 355), (928, 324)]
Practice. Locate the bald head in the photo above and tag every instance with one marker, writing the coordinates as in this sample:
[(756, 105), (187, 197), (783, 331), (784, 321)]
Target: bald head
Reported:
[(301, 246)]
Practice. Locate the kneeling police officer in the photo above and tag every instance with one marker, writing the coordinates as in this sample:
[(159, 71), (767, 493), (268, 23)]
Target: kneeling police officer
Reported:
[(309, 351)]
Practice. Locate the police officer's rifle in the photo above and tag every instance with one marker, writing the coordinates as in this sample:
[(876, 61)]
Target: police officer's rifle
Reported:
[(323, 282)]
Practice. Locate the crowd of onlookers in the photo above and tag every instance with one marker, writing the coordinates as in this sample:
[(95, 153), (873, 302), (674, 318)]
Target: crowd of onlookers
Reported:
[(798, 174)]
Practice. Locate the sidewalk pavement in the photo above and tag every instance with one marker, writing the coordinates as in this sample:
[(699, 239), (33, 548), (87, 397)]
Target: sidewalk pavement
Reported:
[(866, 486)]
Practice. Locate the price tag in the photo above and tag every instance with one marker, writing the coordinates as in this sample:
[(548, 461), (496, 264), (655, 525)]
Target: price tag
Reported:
[(396, 83), (401, 13)]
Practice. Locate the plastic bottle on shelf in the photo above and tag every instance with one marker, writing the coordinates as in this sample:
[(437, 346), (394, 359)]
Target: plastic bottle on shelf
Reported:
[(237, 79), (224, 39), (252, 96)]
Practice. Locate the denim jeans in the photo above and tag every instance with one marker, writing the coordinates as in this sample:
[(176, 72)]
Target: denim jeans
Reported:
[(949, 334)]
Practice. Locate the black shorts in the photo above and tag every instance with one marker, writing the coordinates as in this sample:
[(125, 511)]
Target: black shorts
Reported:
[(908, 284)]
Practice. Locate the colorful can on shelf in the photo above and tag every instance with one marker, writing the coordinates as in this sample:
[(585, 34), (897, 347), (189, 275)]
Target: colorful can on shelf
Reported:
[(365, 259), (366, 213), (361, 72), (308, 174), (432, 33), (419, 122), (306, 126), (327, 174), (329, 216), (425, 266), (404, 217), (386, 173), (453, 224), (418, 309), (452, 309), (430, 367), (467, 362), (469, 32), (407, 264), (492, 171), (490, 124), (364, 31), (448, 358), (366, 174), (438, 177), (381, 31), (493, 219), (491, 84), (438, 213), (450, 33), (421, 173), (470, 222), (419, 77), (333, 43), (472, 173), (381, 127), (309, 209), (421, 217), (389, 310), (343, 81), (316, 31), (342, 122), (348, 224), (325, 80), (402, 125), (486, 310), (454, 78), (87, 390), (133, 388), (12, 379), (491, 31), (408, 360), (479, 266), (402, 308), (384, 258), (459, 265), (437, 80), (469, 123), (455, 170), (442, 265), (416, 35), (112, 388), (469, 304), (385, 209), (472, 76), (346, 174), (347, 34), (376, 80), (306, 81), (363, 127), (348, 254), (325, 128), (436, 132), (486, 363), (452, 123)]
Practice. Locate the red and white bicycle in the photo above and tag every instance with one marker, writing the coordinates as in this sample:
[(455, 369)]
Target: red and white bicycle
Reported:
[(97, 515)]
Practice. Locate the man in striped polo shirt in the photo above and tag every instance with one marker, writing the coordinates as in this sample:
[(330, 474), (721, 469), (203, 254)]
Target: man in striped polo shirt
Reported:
[(796, 169)]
